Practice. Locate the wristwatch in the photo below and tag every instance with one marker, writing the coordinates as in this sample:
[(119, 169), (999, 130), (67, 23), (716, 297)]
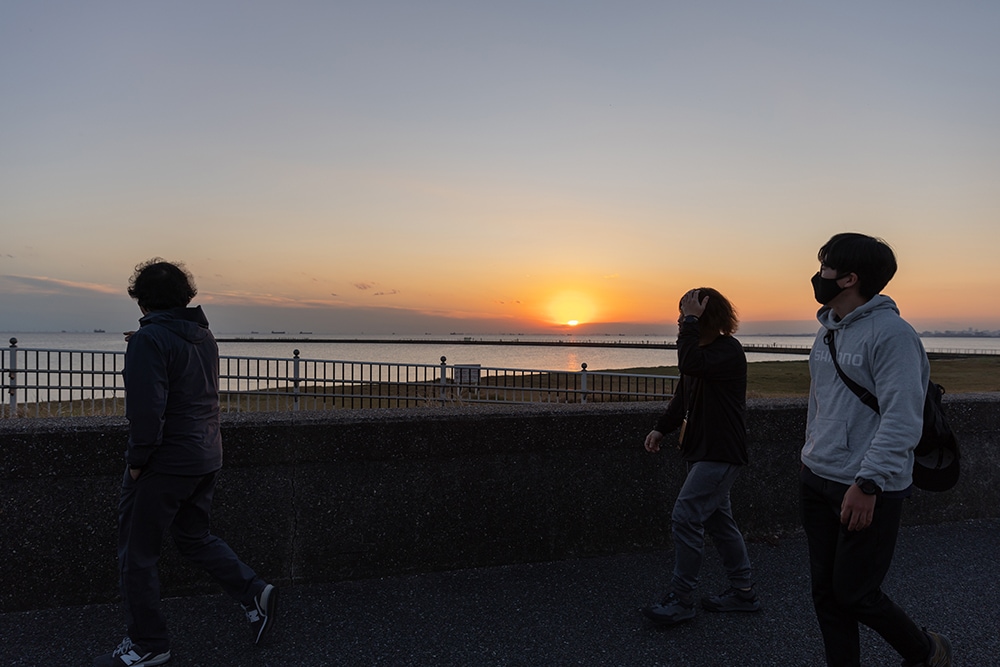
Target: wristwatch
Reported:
[(867, 486), (690, 319)]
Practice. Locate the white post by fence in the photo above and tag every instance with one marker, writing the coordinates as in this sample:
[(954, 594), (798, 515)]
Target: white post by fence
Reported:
[(444, 379), (13, 378), (295, 380)]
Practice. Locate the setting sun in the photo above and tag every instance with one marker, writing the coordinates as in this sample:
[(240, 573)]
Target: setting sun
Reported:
[(571, 308)]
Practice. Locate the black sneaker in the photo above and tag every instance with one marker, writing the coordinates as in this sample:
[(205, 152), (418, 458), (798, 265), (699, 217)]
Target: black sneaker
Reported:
[(939, 654), (671, 611), (733, 599), (261, 612), (131, 655)]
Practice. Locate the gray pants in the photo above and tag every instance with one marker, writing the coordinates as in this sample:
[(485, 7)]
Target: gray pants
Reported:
[(703, 505)]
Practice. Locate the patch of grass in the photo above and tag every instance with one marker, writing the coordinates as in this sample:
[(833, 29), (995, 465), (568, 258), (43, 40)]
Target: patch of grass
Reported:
[(967, 375), (765, 379), (783, 379), (777, 379)]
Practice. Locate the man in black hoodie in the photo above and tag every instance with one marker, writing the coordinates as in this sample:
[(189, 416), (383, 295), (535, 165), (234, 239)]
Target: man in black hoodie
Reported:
[(174, 455)]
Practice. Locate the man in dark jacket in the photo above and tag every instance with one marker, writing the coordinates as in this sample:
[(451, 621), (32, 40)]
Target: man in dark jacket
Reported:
[(174, 455)]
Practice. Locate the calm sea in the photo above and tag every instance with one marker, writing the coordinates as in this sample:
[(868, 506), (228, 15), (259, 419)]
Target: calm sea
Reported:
[(405, 349)]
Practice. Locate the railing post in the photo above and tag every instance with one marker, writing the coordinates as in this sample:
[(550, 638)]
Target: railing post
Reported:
[(295, 380), (13, 378), (583, 382), (444, 379)]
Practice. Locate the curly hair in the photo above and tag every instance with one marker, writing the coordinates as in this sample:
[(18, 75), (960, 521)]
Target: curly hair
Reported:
[(720, 314), (160, 285)]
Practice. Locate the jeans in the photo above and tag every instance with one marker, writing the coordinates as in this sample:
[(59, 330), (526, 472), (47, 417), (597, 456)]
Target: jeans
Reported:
[(703, 505), (147, 507), (847, 570)]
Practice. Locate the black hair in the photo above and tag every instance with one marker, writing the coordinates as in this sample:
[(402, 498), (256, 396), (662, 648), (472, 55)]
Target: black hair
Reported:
[(720, 314), (160, 285), (870, 258)]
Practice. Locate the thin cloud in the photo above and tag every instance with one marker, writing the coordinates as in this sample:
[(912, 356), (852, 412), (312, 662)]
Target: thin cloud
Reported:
[(364, 286), (42, 285), (258, 299)]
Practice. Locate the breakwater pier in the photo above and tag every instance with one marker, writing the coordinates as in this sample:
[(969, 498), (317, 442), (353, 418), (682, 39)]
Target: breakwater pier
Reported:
[(617, 343)]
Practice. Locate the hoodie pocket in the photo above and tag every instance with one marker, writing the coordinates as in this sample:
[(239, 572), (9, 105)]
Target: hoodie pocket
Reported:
[(827, 444)]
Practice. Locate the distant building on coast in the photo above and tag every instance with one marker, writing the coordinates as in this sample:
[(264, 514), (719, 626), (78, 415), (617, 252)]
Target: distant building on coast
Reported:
[(967, 333)]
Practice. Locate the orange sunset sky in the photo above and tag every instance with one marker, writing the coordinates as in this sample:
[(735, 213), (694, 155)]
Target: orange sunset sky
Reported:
[(410, 167)]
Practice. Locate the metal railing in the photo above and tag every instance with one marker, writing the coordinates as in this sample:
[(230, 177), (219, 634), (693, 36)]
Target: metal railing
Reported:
[(57, 383), (43, 382)]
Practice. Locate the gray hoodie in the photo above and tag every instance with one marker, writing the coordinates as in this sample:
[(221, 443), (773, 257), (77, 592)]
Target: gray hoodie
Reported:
[(846, 439)]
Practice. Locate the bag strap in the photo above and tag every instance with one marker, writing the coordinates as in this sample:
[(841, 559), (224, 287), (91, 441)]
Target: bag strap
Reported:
[(866, 396), (690, 396)]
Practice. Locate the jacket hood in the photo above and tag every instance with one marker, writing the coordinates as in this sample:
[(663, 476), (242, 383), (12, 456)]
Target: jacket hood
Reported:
[(188, 323), (879, 302)]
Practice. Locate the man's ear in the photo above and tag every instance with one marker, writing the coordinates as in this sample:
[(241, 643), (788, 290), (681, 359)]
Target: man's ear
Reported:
[(851, 279)]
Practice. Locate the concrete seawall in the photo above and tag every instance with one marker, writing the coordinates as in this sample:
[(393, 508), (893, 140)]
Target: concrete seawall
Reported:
[(315, 497)]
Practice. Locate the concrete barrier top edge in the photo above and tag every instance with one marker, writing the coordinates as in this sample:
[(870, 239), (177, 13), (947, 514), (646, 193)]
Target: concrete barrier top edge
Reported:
[(384, 415)]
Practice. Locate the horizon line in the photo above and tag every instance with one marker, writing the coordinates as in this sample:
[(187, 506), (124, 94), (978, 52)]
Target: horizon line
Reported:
[(970, 331)]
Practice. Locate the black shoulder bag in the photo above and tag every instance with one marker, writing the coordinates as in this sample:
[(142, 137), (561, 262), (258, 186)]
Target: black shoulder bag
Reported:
[(935, 458)]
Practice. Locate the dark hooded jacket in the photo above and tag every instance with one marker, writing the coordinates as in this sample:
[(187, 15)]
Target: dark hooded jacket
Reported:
[(712, 392), (172, 394)]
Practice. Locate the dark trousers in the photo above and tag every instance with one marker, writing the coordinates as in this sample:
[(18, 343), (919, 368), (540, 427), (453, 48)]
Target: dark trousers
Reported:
[(150, 505), (847, 571), (703, 505)]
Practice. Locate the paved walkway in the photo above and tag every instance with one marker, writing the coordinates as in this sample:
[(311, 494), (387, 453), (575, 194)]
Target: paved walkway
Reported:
[(579, 612)]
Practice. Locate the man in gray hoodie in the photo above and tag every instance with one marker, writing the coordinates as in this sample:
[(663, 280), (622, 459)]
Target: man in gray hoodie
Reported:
[(173, 459), (857, 464)]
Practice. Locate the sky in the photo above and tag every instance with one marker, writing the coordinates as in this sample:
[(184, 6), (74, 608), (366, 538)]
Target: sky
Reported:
[(456, 166)]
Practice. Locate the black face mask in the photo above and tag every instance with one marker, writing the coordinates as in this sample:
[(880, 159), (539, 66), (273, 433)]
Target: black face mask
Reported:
[(826, 289)]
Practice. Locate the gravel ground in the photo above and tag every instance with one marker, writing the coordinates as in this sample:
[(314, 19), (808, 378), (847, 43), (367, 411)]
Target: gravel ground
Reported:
[(577, 612)]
